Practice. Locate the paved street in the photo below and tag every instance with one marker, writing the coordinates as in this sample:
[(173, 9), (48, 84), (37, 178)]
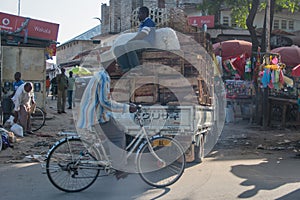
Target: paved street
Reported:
[(188, 50), (247, 163), (263, 176)]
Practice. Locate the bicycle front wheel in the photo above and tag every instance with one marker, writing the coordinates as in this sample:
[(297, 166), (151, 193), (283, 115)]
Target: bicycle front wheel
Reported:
[(70, 166), (165, 165), (37, 119)]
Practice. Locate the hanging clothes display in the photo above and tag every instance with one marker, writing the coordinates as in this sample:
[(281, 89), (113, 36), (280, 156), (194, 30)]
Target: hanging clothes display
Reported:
[(229, 68), (272, 75), (236, 67), (248, 70), (266, 78), (239, 63)]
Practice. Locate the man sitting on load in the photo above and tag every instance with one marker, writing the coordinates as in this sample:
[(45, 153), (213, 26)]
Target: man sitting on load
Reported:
[(126, 54)]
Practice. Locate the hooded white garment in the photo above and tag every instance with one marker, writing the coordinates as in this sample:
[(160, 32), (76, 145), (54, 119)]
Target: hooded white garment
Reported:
[(22, 97)]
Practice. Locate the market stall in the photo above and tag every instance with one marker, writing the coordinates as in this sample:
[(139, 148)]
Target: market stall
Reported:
[(239, 99), (296, 75), (282, 106), (286, 108), (282, 99), (236, 73)]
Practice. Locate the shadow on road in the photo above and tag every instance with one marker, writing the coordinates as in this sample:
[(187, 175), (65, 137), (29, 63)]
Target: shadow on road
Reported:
[(291, 196), (28, 179), (165, 191), (268, 175)]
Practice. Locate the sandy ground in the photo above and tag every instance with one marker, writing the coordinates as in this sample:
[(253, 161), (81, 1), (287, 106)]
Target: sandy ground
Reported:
[(27, 148), (247, 138)]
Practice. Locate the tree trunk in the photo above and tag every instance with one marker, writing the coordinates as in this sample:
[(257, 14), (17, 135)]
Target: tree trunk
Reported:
[(263, 46), (272, 10), (263, 37), (251, 28), (255, 45)]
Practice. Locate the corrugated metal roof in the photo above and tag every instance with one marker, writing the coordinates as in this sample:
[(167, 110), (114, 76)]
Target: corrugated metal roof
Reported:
[(88, 35)]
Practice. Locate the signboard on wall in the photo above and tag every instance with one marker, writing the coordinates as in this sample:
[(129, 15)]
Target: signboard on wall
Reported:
[(35, 28), (199, 21)]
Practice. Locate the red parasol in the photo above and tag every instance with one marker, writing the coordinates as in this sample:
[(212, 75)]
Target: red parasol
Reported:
[(289, 55), (232, 48), (296, 71)]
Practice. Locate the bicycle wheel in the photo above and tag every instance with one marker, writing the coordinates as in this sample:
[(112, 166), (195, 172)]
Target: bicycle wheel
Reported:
[(67, 166), (37, 119), (164, 172)]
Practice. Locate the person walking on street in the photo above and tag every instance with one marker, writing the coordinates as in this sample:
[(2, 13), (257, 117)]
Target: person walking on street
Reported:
[(71, 88), (62, 86), (53, 88), (23, 101), (48, 83)]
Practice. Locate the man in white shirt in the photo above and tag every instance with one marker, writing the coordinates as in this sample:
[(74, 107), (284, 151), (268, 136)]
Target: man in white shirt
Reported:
[(23, 100)]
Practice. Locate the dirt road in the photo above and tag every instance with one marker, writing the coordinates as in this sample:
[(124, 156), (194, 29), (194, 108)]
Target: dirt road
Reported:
[(38, 144)]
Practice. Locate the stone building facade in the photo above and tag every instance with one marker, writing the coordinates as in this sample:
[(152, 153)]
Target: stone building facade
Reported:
[(116, 17), (65, 56)]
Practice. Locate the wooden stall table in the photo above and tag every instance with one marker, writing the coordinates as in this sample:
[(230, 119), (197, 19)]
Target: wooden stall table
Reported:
[(284, 103)]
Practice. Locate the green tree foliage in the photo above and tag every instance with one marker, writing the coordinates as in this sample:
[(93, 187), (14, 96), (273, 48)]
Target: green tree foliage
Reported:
[(291, 5), (211, 8), (240, 9)]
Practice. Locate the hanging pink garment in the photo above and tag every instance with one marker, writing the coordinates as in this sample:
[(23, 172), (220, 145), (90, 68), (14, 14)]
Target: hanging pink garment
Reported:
[(281, 79), (275, 61), (272, 80)]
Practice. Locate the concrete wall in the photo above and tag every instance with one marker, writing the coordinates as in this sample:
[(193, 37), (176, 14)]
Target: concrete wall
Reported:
[(116, 17), (68, 51), (105, 18), (30, 62), (126, 10)]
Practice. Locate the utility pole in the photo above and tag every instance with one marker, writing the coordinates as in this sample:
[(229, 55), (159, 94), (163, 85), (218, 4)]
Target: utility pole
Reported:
[(19, 7), (268, 26), (1, 71), (266, 90)]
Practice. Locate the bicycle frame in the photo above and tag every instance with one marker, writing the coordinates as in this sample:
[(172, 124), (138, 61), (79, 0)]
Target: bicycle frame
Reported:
[(135, 144), (90, 160), (103, 158), (142, 134), (136, 141)]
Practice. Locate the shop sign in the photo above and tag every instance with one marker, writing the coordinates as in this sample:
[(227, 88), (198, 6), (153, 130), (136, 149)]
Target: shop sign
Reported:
[(35, 28), (199, 21)]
